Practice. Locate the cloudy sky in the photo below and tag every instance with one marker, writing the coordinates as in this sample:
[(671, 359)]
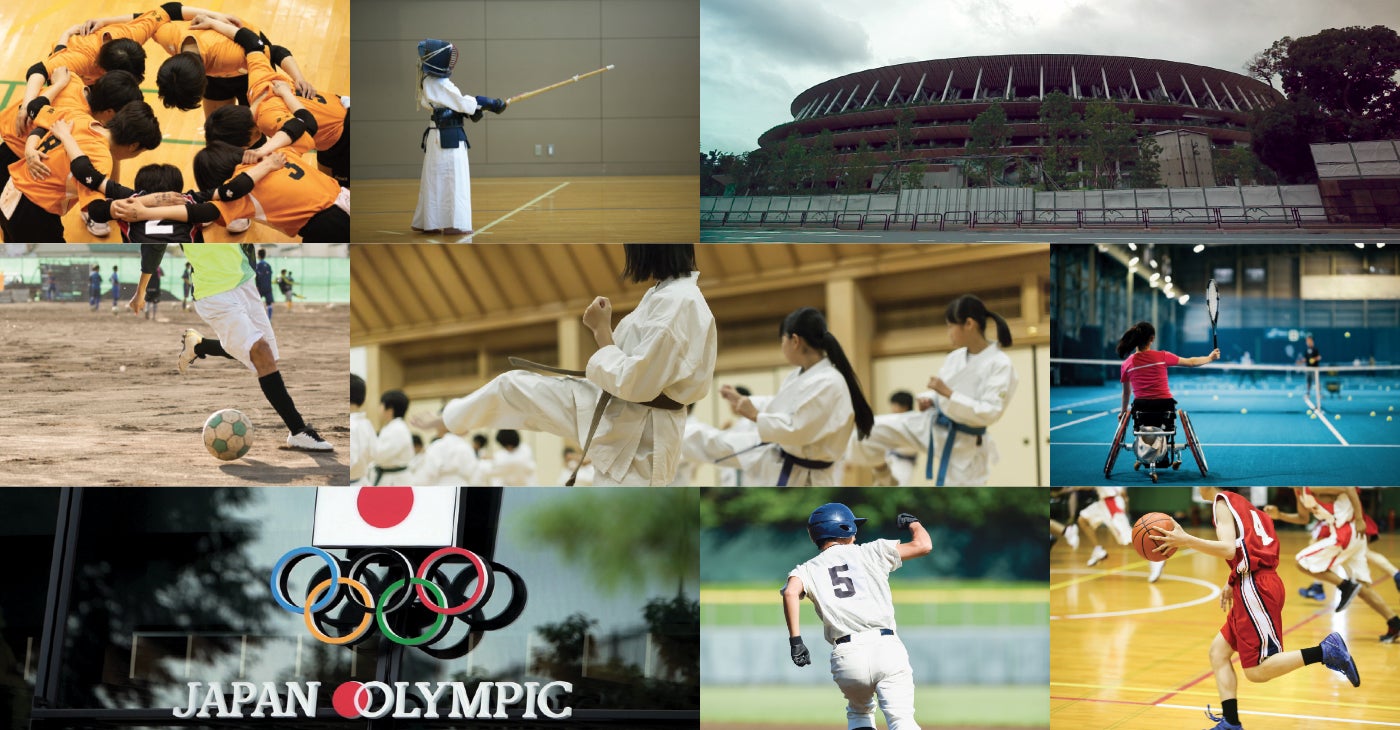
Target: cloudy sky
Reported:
[(756, 55)]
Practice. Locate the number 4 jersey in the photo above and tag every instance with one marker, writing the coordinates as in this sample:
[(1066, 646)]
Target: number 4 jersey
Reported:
[(1257, 542), (850, 587)]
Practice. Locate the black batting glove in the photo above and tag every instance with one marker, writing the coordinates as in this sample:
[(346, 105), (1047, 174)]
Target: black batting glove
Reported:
[(905, 519), (800, 657)]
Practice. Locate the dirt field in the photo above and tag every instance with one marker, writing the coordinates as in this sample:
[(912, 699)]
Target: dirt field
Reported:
[(89, 399)]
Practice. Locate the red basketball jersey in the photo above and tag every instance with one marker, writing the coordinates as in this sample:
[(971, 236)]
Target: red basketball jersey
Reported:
[(1257, 543)]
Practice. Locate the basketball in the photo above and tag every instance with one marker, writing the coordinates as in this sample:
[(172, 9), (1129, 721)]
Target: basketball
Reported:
[(1143, 543)]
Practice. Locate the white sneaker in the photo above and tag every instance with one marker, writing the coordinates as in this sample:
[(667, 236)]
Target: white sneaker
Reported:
[(1072, 536), (101, 230), (187, 356), (1155, 572), (239, 225), (308, 440), (1097, 556)]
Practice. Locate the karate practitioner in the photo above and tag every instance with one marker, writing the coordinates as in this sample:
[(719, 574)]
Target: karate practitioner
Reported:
[(969, 394), (804, 428), (393, 449), (660, 358), (449, 461), (445, 189), (362, 434), (514, 462)]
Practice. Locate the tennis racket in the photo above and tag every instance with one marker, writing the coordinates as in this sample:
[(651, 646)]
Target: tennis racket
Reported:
[(1213, 308)]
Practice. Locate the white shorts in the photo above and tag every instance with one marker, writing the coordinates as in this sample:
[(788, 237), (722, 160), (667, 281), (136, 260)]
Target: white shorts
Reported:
[(1327, 555), (1099, 514), (239, 320)]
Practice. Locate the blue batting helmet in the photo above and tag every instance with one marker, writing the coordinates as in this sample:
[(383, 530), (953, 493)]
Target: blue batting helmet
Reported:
[(832, 520)]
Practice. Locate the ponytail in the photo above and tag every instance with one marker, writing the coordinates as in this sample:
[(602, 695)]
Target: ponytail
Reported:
[(970, 307), (1138, 335), (810, 325)]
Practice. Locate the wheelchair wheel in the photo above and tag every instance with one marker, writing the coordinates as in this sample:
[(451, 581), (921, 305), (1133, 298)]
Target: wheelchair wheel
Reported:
[(1194, 443), (1117, 445)]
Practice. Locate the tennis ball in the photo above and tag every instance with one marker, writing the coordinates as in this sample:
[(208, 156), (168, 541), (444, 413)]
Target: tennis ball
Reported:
[(1244, 410), (1392, 408), (1312, 415), (1387, 418), (1215, 397), (1337, 417), (1069, 413), (1373, 414)]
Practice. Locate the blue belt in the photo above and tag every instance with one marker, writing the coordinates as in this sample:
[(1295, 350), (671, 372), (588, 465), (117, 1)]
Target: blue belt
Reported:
[(789, 460), (847, 637), (954, 428)]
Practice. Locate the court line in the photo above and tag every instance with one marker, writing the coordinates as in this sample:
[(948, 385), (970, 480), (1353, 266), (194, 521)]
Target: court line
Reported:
[(1211, 673), (1203, 693), (1329, 720), (1076, 404), (1096, 575), (1081, 420), (537, 199), (1255, 446), (1213, 595), (1324, 420)]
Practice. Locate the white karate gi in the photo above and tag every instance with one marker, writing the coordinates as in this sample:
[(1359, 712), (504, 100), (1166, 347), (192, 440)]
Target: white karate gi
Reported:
[(982, 385), (666, 346), (445, 189), (810, 417), (448, 462), (362, 438), (513, 468), (393, 449)]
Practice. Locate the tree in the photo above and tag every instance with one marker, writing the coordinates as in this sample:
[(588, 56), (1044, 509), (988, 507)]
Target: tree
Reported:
[(1281, 135), (1109, 141), (859, 167), (1350, 73), (1147, 168), (989, 136), (1267, 64), (912, 175), (1240, 163), (902, 145), (791, 167), (821, 161), (1061, 127)]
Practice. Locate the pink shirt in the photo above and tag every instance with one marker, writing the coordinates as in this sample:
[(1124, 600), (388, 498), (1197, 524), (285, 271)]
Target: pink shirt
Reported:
[(1146, 372)]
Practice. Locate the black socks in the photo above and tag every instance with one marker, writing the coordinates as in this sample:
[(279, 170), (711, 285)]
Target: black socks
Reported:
[(211, 347), (1231, 710), (276, 392), (1312, 655)]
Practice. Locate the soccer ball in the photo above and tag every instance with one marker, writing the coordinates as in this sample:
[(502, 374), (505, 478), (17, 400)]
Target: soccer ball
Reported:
[(228, 434)]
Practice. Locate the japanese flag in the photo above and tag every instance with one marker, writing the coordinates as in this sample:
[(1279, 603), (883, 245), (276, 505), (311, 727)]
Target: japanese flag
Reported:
[(385, 517)]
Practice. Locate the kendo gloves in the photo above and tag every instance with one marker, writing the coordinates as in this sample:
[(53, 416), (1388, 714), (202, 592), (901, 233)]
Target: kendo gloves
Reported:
[(491, 104), (800, 657)]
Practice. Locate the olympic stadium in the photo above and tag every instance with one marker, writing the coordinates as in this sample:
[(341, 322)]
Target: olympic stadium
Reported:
[(948, 94)]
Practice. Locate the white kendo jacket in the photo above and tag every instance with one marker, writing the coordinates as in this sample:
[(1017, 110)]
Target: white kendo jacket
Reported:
[(449, 461), (441, 93), (667, 345)]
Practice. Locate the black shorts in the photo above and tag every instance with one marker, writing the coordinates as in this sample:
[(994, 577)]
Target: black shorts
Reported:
[(337, 158), (152, 294), (7, 158), (32, 224), (331, 225), (217, 88)]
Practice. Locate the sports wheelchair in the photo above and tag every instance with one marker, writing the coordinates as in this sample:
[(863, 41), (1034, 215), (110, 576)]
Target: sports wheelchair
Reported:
[(1154, 438)]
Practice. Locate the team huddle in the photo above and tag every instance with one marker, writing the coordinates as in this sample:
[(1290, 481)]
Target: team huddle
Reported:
[(276, 148)]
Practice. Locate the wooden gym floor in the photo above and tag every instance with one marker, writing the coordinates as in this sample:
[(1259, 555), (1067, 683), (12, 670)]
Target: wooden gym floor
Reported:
[(1129, 654), (654, 209), (317, 32)]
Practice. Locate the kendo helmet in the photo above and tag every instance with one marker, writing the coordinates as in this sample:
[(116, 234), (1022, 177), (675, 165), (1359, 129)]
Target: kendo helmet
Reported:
[(831, 521), (437, 58)]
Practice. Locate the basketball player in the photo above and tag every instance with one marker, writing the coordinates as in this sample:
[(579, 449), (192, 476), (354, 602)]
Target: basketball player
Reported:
[(1110, 510), (1253, 601), (850, 590)]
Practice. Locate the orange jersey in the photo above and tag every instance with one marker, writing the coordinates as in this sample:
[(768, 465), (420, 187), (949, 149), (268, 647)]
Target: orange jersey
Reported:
[(80, 56), (69, 103), (271, 113), (285, 199), (222, 57), (58, 192)]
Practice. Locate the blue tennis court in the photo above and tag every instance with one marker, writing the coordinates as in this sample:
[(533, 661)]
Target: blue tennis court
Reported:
[(1257, 427)]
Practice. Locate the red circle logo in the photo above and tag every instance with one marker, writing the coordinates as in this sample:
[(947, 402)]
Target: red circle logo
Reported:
[(346, 700), (384, 507)]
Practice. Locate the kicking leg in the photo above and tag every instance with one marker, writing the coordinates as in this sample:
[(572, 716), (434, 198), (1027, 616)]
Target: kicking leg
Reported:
[(300, 436), (524, 400)]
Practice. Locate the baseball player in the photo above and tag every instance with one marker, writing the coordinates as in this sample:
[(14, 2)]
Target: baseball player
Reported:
[(850, 589)]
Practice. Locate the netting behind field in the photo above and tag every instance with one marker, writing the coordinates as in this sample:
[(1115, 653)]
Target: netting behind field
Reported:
[(1362, 389), (318, 279)]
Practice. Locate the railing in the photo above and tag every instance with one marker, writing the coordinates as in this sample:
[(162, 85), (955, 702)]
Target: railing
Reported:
[(1214, 217)]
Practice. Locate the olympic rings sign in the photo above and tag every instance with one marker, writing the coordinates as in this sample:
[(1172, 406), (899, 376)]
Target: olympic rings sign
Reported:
[(416, 587)]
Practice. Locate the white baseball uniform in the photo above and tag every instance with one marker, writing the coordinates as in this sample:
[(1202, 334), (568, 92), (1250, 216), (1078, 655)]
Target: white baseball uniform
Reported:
[(810, 417), (667, 345), (1111, 510), (982, 385), (1342, 552), (850, 589)]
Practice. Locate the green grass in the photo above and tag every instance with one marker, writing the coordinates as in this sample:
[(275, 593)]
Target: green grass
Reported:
[(823, 705)]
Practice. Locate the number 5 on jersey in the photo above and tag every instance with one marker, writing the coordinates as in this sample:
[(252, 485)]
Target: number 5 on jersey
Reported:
[(845, 588)]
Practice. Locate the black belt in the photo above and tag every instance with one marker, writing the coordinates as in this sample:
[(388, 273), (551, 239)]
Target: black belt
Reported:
[(789, 461), (847, 637)]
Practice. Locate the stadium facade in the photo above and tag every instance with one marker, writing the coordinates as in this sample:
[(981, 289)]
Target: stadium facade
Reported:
[(948, 94)]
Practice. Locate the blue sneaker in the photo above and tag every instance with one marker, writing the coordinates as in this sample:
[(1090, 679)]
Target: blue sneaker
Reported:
[(1336, 657), (1397, 581), (1221, 723), (1315, 592)]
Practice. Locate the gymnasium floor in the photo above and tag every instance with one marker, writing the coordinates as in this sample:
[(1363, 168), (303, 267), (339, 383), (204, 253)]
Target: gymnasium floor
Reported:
[(1275, 443), (291, 23), (655, 209), (1130, 654)]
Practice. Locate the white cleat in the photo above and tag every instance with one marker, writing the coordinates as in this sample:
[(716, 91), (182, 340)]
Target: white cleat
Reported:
[(239, 225), (1072, 536), (1097, 556), (1155, 572), (187, 356), (308, 440), (101, 230)]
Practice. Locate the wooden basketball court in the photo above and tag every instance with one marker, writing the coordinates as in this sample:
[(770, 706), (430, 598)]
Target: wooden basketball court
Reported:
[(316, 31), (650, 209), (1126, 653)]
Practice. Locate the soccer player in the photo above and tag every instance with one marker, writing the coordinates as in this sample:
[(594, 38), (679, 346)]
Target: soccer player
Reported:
[(116, 290), (1253, 601), (227, 300), (95, 287), (850, 590), (263, 276)]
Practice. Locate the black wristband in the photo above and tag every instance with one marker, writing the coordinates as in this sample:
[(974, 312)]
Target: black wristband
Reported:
[(236, 188), (794, 640), (37, 68), (249, 40), (308, 119), (294, 128), (175, 10), (100, 211), (279, 54), (201, 213), (38, 132), (35, 106), (86, 174)]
